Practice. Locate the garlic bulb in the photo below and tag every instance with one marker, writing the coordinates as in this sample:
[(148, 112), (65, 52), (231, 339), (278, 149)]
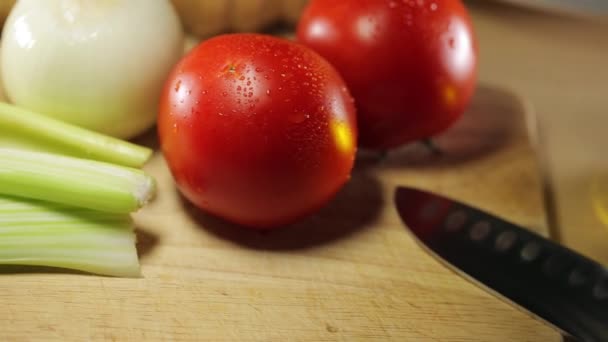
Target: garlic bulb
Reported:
[(99, 64)]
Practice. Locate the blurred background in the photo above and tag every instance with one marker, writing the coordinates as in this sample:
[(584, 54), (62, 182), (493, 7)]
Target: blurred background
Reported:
[(551, 53), (555, 60)]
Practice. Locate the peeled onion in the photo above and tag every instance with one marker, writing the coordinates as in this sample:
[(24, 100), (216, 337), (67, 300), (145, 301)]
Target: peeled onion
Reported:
[(99, 64)]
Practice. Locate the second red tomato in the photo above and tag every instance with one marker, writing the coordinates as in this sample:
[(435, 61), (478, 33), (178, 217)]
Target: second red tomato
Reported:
[(411, 65)]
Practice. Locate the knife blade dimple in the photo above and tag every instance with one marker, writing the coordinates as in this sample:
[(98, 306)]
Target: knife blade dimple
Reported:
[(530, 251), (600, 291), (455, 221)]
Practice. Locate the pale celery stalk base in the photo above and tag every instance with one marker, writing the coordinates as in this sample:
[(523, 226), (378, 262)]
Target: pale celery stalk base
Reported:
[(45, 234), (73, 181), (24, 128)]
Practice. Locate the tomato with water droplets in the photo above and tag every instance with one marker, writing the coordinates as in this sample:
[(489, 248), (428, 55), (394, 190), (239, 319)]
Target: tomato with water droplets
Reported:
[(411, 65), (257, 130)]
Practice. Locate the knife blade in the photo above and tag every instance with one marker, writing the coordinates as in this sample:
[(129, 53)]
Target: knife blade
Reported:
[(557, 284)]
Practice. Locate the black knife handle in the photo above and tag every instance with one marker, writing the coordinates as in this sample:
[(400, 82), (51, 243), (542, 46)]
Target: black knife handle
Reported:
[(558, 284)]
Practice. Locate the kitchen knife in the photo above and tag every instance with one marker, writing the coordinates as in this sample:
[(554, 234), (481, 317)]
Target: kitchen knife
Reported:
[(555, 283)]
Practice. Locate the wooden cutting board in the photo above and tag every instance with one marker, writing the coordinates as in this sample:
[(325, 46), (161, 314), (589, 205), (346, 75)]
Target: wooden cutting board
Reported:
[(350, 272)]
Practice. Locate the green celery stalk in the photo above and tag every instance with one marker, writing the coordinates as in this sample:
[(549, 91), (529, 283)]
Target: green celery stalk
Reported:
[(22, 127), (73, 181), (50, 234)]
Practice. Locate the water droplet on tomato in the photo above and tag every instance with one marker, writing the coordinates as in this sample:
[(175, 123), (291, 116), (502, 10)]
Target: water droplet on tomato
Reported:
[(268, 92), (297, 117)]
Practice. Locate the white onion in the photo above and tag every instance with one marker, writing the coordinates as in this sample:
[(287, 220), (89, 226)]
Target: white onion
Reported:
[(99, 64)]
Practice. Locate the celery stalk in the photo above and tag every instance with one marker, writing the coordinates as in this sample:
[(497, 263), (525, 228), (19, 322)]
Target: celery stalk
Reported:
[(23, 127), (73, 181), (50, 234)]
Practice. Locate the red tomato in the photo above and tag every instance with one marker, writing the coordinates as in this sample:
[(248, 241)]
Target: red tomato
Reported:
[(411, 65), (257, 130)]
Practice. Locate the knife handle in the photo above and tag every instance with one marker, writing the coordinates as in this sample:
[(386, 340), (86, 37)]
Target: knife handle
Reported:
[(560, 285)]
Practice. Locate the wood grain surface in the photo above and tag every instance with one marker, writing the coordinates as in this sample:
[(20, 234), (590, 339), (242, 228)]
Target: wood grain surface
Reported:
[(348, 273)]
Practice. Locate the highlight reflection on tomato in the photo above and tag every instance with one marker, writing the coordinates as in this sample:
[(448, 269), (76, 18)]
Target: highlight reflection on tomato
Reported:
[(411, 65), (258, 130)]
